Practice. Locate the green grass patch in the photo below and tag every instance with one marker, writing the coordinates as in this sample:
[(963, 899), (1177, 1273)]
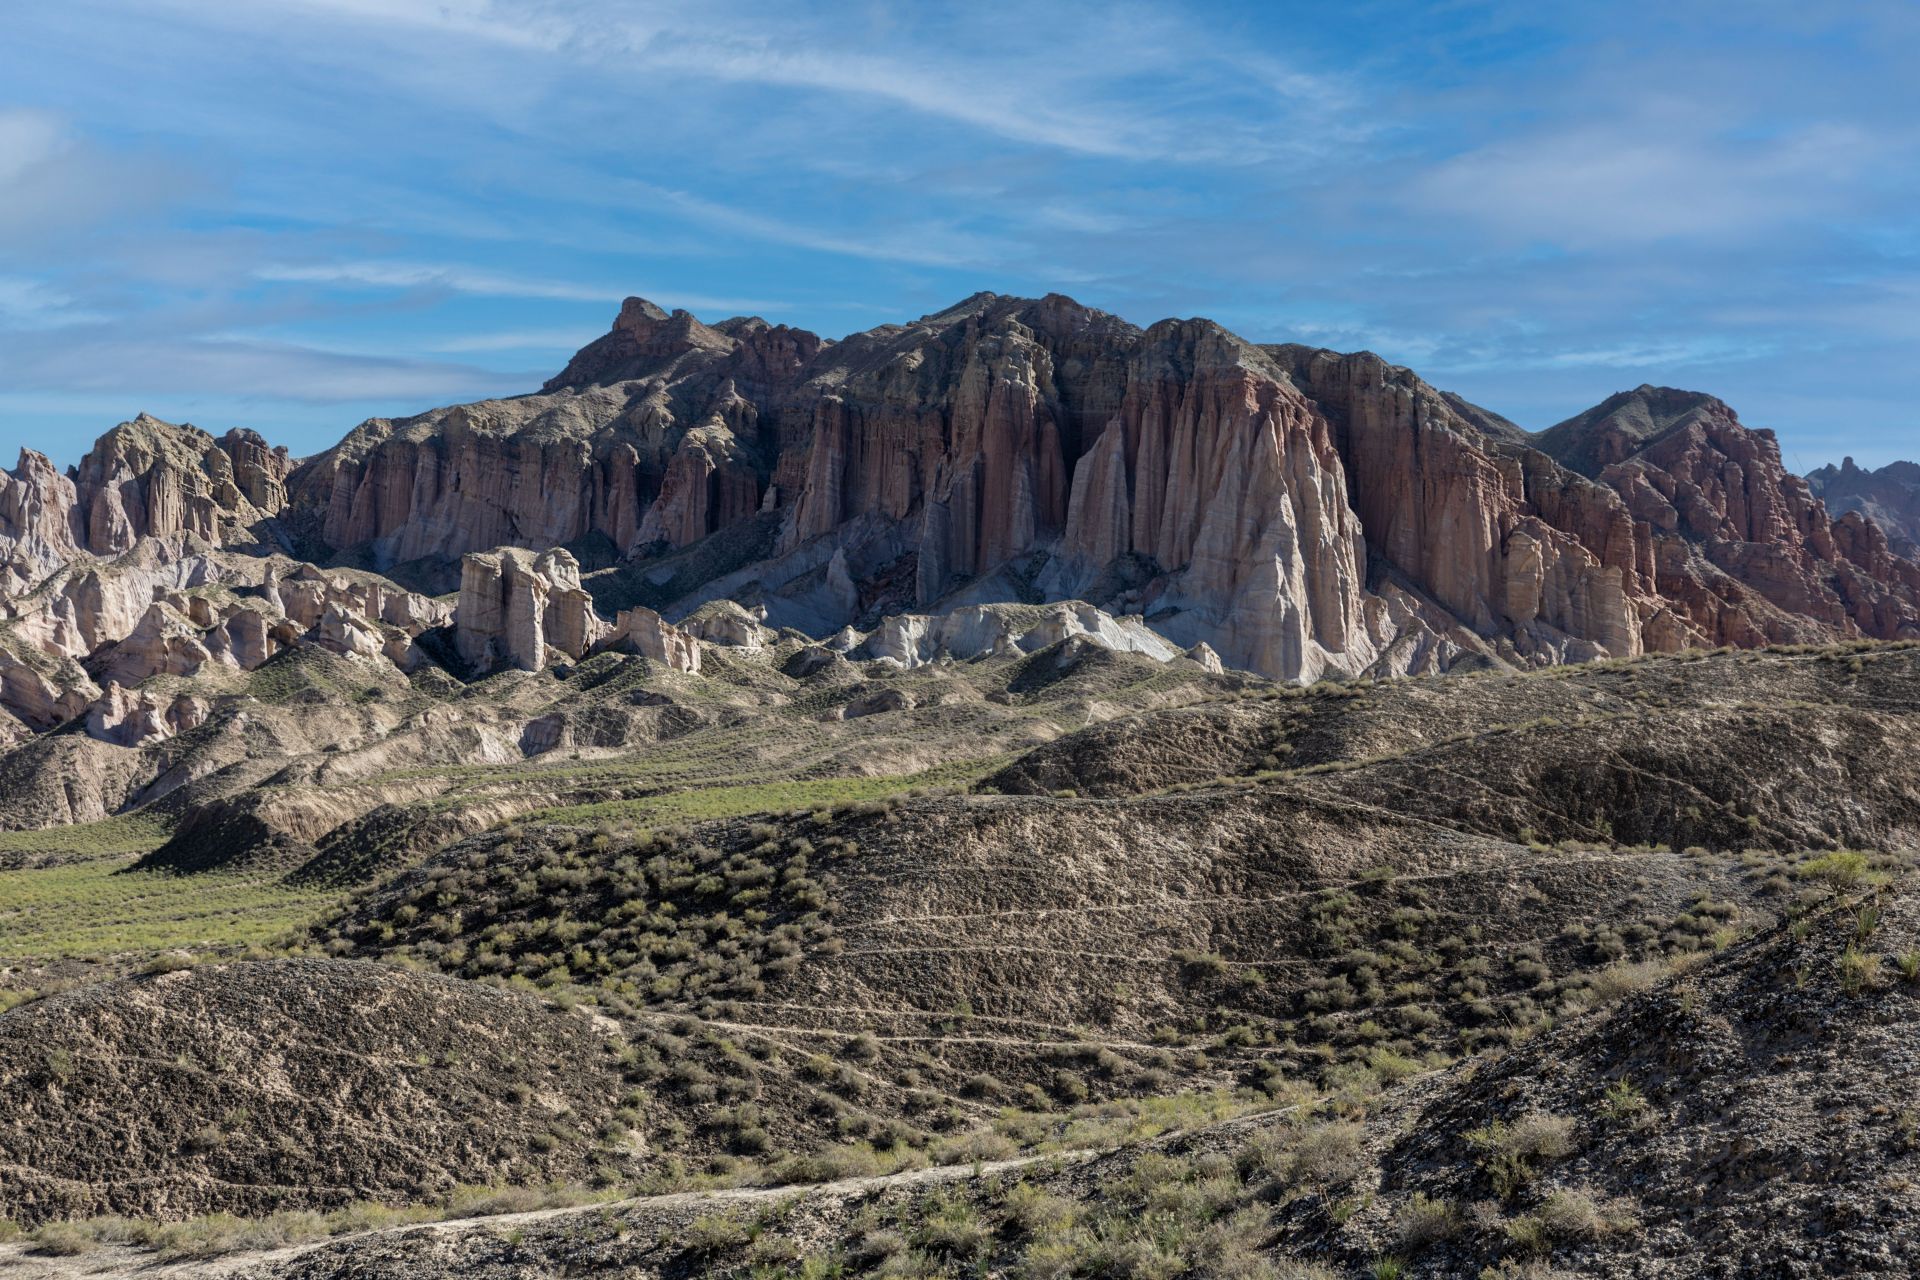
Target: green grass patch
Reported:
[(97, 908), (126, 834), (732, 801)]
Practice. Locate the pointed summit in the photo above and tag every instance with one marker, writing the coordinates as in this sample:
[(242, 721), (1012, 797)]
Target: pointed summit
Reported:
[(644, 337), (1625, 423)]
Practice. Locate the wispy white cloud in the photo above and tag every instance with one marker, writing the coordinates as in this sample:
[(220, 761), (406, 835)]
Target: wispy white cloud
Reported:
[(54, 182), (1659, 176), (29, 139), (405, 276), (34, 303), (414, 275), (926, 86), (524, 340), (106, 360), (928, 243), (1066, 77)]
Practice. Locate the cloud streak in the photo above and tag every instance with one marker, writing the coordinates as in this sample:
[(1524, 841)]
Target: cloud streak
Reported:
[(1539, 203)]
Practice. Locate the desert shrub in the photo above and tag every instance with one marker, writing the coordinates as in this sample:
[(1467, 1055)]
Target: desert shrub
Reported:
[(57, 1066), (1200, 964), (716, 1233), (1424, 1221), (1622, 1103), (983, 1085), (1566, 1215), (1618, 981), (1029, 1210), (1512, 1152), (1840, 870), (951, 1226), (62, 1239), (1057, 1257), (1858, 971), (1326, 1155)]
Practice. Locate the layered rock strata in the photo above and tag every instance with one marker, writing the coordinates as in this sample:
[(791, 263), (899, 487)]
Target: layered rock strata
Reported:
[(1301, 512), (143, 479), (1298, 512), (522, 609), (1889, 497)]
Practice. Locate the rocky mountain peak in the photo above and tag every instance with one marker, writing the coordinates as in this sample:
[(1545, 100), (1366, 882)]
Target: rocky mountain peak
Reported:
[(1888, 496), (644, 339), (1628, 421), (1301, 512), (636, 312)]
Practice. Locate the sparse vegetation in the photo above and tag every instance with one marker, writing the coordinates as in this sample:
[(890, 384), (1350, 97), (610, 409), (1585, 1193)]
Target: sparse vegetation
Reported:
[(1513, 1151), (1308, 1020)]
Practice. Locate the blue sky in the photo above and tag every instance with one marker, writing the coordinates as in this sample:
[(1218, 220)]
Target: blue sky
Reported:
[(294, 214)]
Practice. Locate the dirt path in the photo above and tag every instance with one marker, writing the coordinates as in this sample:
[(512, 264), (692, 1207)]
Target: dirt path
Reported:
[(18, 1262)]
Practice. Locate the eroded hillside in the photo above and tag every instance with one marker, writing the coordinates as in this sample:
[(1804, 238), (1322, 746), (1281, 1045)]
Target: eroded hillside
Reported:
[(1206, 975)]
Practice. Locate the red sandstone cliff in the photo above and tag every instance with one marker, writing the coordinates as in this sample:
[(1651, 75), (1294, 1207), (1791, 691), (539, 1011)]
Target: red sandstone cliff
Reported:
[(1300, 511), (143, 479), (1889, 497)]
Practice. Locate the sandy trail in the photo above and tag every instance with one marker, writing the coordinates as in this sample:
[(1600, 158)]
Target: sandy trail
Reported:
[(19, 1262)]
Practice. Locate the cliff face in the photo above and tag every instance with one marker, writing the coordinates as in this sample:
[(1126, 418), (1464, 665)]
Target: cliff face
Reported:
[(143, 479), (652, 434), (1216, 469), (520, 609), (1741, 548), (1299, 512), (1004, 428), (1889, 497), (1302, 512), (1505, 541)]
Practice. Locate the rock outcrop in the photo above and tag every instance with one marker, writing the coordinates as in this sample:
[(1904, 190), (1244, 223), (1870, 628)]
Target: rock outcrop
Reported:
[(1300, 513), (641, 630), (100, 628), (151, 479), (653, 434), (518, 608), (914, 640), (40, 522), (1738, 547), (143, 479), (1890, 497), (129, 717), (1504, 541)]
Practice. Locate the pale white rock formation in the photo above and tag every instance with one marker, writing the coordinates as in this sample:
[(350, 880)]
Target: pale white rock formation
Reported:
[(40, 528), (916, 639), (43, 692), (520, 608), (1203, 654), (641, 630), (133, 717), (725, 622), (348, 634), (174, 606), (164, 642)]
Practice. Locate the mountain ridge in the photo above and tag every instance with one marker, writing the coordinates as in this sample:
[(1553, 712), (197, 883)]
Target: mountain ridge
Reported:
[(1889, 496), (1300, 512)]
